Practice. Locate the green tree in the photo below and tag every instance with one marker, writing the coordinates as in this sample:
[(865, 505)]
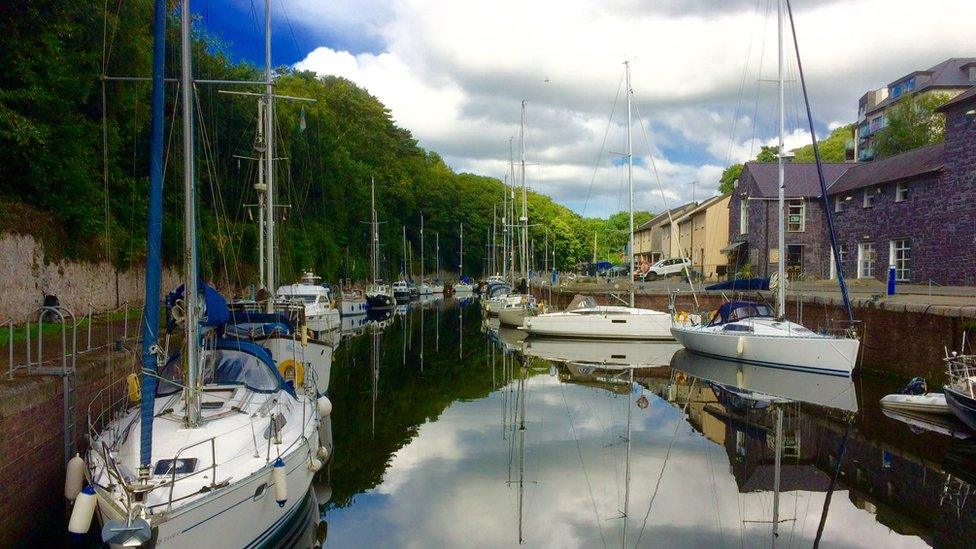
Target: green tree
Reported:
[(832, 149), (729, 177), (912, 122)]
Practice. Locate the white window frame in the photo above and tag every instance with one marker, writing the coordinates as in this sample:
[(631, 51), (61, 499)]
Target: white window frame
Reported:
[(842, 248), (838, 204), (744, 215), (865, 265), (803, 215), (901, 188), (868, 200), (900, 256)]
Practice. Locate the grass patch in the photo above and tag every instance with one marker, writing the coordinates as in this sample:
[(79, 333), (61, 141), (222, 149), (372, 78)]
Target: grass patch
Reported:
[(54, 328)]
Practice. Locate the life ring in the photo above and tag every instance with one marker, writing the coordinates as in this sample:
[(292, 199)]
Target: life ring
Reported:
[(292, 370), (134, 387)]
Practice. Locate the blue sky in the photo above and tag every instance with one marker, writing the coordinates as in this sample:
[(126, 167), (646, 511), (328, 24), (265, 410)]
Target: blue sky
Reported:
[(454, 74)]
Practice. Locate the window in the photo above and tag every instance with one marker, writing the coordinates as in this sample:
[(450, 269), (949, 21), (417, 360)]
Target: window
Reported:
[(869, 198), (838, 204), (901, 192), (794, 259), (865, 260), (901, 258), (795, 221), (972, 74), (842, 250), (744, 215)]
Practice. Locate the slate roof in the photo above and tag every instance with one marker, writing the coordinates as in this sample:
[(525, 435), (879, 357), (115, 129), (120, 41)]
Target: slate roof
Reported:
[(663, 217), (947, 74), (916, 162), (963, 97), (801, 177)]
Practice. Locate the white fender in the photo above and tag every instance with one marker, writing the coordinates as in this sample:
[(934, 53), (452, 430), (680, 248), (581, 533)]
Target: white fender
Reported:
[(741, 346), (324, 406), (323, 453), (74, 478), (83, 511), (314, 464), (280, 482)]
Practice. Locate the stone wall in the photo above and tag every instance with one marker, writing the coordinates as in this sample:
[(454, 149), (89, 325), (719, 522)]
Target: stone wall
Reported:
[(26, 277)]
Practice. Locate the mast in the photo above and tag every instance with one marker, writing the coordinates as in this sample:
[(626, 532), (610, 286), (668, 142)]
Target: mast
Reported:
[(421, 248), (630, 411), (269, 253), (494, 236), (630, 179), (154, 261), (777, 470), (461, 255), (437, 255), (525, 210), (261, 187), (781, 238), (191, 322), (405, 252), (375, 240), (511, 204)]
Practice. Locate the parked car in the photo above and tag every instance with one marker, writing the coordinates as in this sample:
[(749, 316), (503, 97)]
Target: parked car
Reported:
[(668, 267)]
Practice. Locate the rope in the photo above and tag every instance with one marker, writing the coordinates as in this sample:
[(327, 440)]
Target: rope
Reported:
[(603, 144)]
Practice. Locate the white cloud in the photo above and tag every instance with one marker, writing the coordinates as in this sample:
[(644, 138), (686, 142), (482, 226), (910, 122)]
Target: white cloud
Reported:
[(454, 72)]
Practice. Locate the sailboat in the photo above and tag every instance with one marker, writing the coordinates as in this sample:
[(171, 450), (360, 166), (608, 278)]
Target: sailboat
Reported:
[(184, 467), (516, 308), (379, 295), (750, 333), (436, 288), (589, 320), (463, 285), (425, 288)]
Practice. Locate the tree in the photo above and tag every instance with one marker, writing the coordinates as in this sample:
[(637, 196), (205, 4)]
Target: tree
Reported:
[(912, 122), (832, 149), (768, 153), (729, 177)]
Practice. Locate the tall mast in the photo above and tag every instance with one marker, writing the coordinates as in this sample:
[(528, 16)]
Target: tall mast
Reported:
[(461, 255), (154, 260), (269, 253), (421, 249), (494, 236), (630, 180), (437, 254), (192, 328), (781, 238), (375, 240), (525, 210), (511, 205), (630, 411), (405, 252), (261, 187)]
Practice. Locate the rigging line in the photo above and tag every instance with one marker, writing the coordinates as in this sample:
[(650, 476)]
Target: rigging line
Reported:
[(579, 453), (107, 49), (762, 56), (677, 424), (667, 209), (741, 91), (213, 184), (603, 144), (291, 29)]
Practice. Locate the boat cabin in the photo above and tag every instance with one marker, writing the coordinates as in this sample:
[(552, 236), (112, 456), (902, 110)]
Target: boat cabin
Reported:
[(735, 311)]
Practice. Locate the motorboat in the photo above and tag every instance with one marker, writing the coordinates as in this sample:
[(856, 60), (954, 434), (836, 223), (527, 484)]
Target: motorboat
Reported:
[(959, 390), (401, 290), (516, 308), (380, 296), (352, 302), (585, 319), (915, 398), (320, 314), (495, 294), (747, 332)]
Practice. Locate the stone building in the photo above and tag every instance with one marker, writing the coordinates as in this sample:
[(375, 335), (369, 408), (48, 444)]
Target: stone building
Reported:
[(915, 211), (753, 219)]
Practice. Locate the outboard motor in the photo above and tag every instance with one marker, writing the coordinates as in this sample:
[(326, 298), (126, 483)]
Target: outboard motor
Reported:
[(917, 386)]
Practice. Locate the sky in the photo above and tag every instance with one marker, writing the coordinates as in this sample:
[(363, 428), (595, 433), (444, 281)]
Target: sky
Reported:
[(703, 78)]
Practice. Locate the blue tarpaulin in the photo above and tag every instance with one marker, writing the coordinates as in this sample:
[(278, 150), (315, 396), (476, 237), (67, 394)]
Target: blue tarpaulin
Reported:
[(741, 284)]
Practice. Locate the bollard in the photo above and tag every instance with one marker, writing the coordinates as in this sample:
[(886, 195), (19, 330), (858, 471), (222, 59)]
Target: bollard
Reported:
[(891, 280)]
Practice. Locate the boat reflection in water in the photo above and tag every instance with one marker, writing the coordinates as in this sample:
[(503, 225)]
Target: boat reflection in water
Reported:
[(605, 353), (490, 445)]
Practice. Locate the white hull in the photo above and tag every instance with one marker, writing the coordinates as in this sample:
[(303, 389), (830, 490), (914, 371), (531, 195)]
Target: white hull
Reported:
[(606, 354), (929, 403), (352, 307), (232, 516), (316, 357), (603, 323), (805, 353), (437, 289), (324, 321), (463, 288), (494, 306), (513, 317)]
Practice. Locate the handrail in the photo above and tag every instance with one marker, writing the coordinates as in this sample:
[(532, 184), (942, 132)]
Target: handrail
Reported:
[(213, 467)]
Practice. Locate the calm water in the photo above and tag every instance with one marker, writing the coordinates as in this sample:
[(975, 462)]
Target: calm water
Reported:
[(446, 435)]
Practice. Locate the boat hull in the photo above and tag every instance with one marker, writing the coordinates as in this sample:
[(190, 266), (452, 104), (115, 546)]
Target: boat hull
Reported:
[(352, 307), (647, 326), (513, 317), (929, 403), (962, 406), (323, 322), (815, 354), (380, 301), (315, 356), (233, 516)]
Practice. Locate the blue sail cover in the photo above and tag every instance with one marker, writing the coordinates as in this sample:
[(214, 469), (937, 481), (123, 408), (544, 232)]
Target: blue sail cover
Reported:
[(741, 284), (216, 313)]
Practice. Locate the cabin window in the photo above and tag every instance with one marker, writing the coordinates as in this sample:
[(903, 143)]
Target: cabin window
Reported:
[(865, 260), (869, 198), (796, 220), (744, 215), (901, 258), (901, 192)]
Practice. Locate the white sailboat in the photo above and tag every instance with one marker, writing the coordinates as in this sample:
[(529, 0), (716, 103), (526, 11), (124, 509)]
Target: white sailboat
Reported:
[(184, 467), (436, 288), (748, 332), (425, 287), (463, 285), (515, 308), (586, 319), (379, 295)]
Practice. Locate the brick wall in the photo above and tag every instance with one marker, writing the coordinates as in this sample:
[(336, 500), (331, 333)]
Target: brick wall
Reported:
[(33, 510)]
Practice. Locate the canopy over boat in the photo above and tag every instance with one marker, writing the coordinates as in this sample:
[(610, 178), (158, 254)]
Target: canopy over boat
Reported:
[(740, 310)]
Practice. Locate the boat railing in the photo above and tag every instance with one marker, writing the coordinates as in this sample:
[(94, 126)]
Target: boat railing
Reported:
[(108, 404), (961, 370), (851, 329), (175, 460)]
